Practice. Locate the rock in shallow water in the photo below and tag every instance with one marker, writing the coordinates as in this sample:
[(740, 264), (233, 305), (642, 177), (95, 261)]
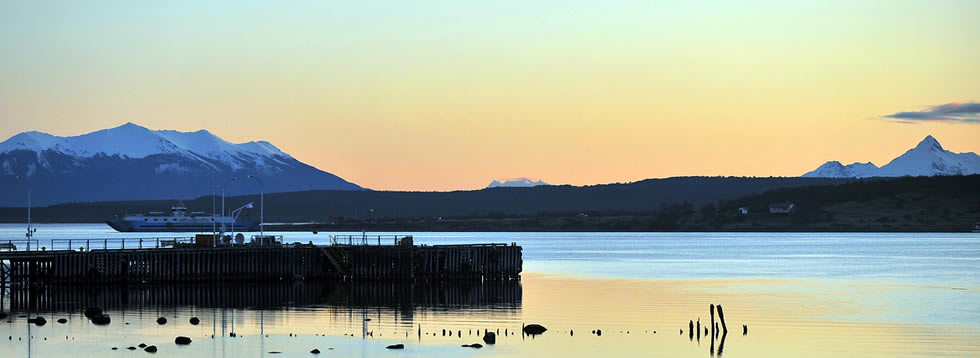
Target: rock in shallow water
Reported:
[(101, 320), (315, 351), (150, 349), (534, 329), (474, 345), (195, 321), (92, 312), (62, 320), (490, 338), (396, 346), (162, 320), (182, 340), (39, 321)]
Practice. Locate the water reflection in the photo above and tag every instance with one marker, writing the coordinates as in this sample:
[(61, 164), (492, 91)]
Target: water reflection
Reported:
[(258, 296), (255, 318), (636, 318)]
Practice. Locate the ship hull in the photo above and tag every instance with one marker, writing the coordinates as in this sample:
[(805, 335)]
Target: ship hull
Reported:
[(140, 226)]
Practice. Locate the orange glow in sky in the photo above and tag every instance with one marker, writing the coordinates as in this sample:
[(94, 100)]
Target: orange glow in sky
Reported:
[(426, 96)]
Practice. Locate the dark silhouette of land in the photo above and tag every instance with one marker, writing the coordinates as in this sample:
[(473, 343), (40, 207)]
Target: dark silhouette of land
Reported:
[(942, 203)]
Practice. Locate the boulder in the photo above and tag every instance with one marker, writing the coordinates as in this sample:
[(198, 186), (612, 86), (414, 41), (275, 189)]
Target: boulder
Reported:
[(534, 329), (131, 348), (150, 349), (474, 345), (39, 321), (490, 338), (92, 312), (315, 351), (162, 320), (101, 320), (195, 321), (181, 340), (396, 346), (62, 320), (142, 345)]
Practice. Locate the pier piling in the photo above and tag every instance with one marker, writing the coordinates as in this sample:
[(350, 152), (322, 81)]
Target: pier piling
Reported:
[(242, 263)]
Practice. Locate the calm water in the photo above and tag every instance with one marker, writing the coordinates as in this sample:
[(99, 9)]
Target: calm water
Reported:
[(801, 294)]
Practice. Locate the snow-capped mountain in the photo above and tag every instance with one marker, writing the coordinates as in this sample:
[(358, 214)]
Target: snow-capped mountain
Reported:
[(928, 158), (515, 182), (133, 141), (834, 169), (131, 162)]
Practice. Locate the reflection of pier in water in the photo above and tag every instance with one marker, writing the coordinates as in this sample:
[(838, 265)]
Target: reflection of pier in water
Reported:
[(404, 296)]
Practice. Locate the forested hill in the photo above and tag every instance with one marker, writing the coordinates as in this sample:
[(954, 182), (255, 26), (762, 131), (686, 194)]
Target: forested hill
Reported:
[(939, 203), (321, 205)]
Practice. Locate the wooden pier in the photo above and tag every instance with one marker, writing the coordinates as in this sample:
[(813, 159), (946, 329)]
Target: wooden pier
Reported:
[(187, 263)]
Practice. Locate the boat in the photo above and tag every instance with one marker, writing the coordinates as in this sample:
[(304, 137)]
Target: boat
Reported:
[(180, 220)]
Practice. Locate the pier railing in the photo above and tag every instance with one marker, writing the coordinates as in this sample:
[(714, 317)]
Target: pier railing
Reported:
[(120, 243), (365, 240), (20, 245)]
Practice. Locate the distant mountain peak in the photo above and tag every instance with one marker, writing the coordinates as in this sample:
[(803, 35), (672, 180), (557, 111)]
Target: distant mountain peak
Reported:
[(925, 159), (131, 125), (835, 169), (521, 182), (929, 143)]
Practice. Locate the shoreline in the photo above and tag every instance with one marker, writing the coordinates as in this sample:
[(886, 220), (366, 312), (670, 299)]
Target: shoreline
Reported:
[(487, 226)]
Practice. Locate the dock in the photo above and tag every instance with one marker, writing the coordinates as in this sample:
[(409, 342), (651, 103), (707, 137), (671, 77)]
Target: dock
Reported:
[(187, 260)]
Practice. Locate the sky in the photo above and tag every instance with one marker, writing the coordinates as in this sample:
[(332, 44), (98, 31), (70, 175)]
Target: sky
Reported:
[(446, 95)]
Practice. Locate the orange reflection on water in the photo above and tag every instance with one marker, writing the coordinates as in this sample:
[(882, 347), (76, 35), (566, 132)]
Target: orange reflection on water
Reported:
[(784, 318), (637, 318)]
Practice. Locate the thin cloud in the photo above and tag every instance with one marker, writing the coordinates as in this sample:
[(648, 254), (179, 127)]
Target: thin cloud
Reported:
[(966, 112)]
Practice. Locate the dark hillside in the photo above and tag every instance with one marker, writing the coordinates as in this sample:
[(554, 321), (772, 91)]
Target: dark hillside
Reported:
[(645, 196)]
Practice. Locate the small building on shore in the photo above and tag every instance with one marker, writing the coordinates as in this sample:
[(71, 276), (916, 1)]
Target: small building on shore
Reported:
[(782, 208)]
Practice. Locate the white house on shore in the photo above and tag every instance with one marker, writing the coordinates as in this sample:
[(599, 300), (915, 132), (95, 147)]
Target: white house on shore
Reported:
[(782, 208)]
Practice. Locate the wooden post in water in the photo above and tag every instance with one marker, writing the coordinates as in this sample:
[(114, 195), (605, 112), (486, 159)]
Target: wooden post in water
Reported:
[(721, 316), (699, 329), (711, 308), (721, 345)]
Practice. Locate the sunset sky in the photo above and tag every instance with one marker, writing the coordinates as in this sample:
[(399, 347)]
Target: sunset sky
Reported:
[(450, 95)]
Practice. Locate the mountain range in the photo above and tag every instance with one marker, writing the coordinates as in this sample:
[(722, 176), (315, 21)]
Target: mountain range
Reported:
[(928, 158), (515, 183), (131, 162)]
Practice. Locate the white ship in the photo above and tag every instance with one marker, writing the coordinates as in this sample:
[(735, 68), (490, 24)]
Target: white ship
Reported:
[(180, 220)]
